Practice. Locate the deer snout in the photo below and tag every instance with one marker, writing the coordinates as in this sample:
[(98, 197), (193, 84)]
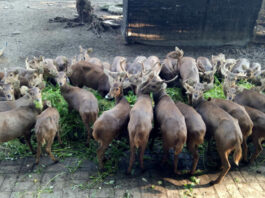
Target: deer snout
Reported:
[(108, 96)]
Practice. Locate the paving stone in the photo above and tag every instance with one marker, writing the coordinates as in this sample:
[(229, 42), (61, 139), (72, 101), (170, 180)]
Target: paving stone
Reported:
[(9, 182), (237, 177), (9, 169), (1, 179), (5, 194), (71, 183), (16, 162), (79, 175), (233, 190), (56, 167), (23, 194), (173, 193), (256, 187), (55, 194), (222, 191), (153, 191), (57, 180), (29, 177), (70, 193), (102, 193), (249, 176), (134, 192), (248, 191), (26, 186), (262, 184), (208, 192)]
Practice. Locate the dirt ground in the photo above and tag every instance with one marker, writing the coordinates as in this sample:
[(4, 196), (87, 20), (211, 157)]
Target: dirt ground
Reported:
[(25, 29)]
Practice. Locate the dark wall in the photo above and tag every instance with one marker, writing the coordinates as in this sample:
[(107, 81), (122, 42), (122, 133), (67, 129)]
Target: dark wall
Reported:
[(190, 22)]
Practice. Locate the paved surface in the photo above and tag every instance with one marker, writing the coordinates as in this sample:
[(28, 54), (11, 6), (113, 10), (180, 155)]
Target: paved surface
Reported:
[(19, 179)]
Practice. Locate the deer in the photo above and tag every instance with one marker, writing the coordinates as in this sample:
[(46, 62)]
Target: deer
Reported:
[(23, 101), (118, 64), (19, 121), (46, 128), (206, 69), (80, 100), (7, 91), (61, 63), (221, 126), (258, 132), (241, 66), (238, 112), (136, 66), (170, 65), (113, 122), (168, 118), (188, 71), (140, 123), (246, 97), (87, 74), (196, 130)]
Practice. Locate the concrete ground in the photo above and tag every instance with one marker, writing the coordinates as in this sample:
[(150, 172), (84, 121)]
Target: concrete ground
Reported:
[(26, 32), (19, 180)]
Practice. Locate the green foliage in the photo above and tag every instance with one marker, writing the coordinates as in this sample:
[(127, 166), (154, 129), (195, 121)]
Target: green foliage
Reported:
[(176, 94), (216, 92), (245, 84), (131, 98)]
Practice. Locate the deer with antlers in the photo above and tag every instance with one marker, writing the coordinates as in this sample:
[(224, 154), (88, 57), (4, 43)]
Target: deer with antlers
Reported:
[(167, 117)]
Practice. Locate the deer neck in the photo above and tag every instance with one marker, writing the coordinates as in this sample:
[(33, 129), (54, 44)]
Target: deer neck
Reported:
[(198, 102), (159, 94), (119, 98), (65, 88)]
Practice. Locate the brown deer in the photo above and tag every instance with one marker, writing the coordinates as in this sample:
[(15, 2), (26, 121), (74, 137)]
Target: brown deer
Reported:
[(206, 70), (19, 121), (258, 132), (113, 122), (46, 127), (246, 97), (87, 74), (32, 93), (80, 100), (222, 127), (238, 112), (196, 130), (140, 124), (168, 118), (7, 91)]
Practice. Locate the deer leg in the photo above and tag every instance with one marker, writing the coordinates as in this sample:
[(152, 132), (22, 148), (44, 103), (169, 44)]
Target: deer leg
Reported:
[(38, 152), (100, 153), (27, 138), (88, 135), (48, 150), (225, 164), (59, 138), (132, 157), (178, 150), (258, 149), (194, 151), (245, 149), (142, 155), (166, 153)]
